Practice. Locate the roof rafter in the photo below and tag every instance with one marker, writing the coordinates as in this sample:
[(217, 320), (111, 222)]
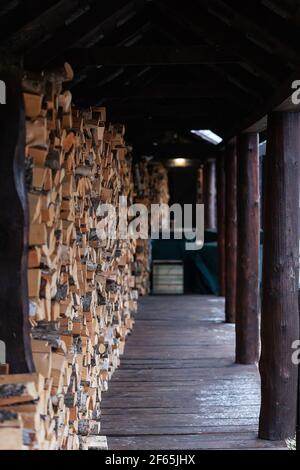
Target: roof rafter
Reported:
[(99, 16), (257, 33), (214, 32)]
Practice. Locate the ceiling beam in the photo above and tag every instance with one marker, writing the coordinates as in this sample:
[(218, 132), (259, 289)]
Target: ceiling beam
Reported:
[(281, 100), (89, 91), (42, 25), (257, 30), (215, 33), (132, 30), (178, 33), (101, 16), (158, 55), (169, 91), (138, 125), (196, 150)]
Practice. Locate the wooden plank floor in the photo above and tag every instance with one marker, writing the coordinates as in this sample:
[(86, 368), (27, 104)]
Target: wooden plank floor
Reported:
[(177, 386)]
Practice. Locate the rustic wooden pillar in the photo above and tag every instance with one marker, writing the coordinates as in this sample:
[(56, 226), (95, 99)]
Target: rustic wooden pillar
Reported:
[(230, 233), (248, 230), (221, 221), (210, 194), (14, 305), (280, 314)]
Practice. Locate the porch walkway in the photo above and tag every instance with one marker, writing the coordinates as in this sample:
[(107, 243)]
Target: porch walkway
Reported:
[(178, 386)]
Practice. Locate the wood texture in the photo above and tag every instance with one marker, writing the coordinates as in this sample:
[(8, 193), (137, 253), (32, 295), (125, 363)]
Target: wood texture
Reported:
[(210, 214), (247, 281), (231, 233), (280, 313), (163, 55), (178, 386), (14, 323), (221, 194)]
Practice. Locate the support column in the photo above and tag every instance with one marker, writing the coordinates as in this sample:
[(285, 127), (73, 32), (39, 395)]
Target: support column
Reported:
[(221, 221), (230, 233), (14, 304), (248, 231), (210, 195), (280, 314)]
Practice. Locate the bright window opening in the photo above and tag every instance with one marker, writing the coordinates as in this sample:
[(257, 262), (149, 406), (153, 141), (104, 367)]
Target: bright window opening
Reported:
[(208, 135)]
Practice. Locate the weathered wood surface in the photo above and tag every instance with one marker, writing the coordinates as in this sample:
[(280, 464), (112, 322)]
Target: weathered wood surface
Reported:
[(221, 194), (280, 313), (248, 230), (178, 386), (210, 195), (231, 233), (14, 315)]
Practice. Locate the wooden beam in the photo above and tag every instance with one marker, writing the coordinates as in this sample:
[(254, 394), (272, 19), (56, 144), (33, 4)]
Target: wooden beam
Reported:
[(97, 17), (162, 55), (14, 305), (198, 150), (171, 91), (214, 32), (280, 313), (281, 100), (138, 124), (41, 25), (221, 208), (179, 32), (209, 178), (165, 109), (257, 30), (248, 232), (231, 233)]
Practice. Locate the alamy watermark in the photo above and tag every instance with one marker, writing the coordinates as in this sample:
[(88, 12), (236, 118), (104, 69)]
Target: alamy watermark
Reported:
[(137, 221), (296, 353), (2, 92), (296, 94)]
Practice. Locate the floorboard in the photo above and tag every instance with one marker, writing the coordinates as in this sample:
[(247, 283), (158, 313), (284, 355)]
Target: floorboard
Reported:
[(178, 386)]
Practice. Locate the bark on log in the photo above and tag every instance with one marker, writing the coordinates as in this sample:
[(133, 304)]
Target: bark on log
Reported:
[(14, 316), (247, 282), (210, 194), (280, 313), (221, 221), (230, 233)]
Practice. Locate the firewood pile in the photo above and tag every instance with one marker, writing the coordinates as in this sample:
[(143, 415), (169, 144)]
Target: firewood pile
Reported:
[(82, 287), (150, 187), (158, 183)]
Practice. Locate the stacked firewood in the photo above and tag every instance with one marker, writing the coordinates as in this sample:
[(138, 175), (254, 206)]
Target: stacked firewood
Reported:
[(82, 286), (150, 187), (158, 183), (142, 255)]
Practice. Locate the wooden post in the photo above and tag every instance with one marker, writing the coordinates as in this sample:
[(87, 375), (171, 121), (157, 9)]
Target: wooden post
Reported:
[(247, 278), (210, 194), (230, 233), (14, 304), (280, 314), (221, 221)]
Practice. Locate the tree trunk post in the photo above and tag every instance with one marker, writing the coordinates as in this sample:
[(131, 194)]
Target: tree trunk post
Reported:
[(210, 194), (221, 221), (248, 231), (230, 233), (280, 313), (14, 302)]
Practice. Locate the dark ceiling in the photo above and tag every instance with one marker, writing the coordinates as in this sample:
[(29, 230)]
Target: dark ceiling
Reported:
[(193, 64)]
